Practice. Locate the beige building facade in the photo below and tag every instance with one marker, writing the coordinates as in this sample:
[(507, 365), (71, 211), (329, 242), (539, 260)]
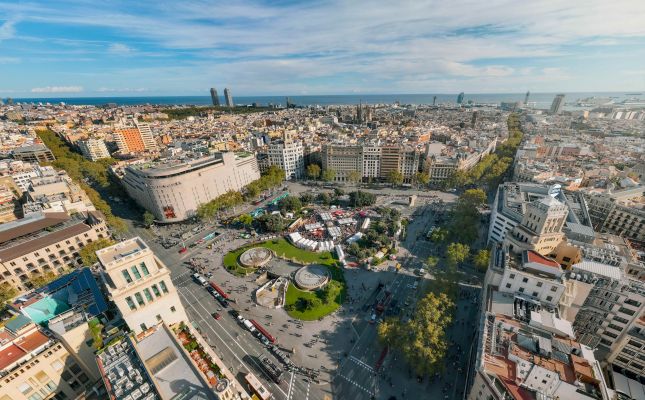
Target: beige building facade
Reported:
[(173, 190), (140, 286)]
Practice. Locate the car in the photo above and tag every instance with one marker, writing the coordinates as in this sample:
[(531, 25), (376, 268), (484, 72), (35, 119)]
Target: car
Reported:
[(234, 313), (373, 319), (183, 250), (199, 279), (217, 315)]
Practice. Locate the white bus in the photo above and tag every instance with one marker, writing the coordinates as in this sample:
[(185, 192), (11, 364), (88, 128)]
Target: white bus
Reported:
[(257, 387)]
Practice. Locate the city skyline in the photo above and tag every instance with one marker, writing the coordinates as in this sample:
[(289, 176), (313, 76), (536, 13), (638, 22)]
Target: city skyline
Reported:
[(76, 49)]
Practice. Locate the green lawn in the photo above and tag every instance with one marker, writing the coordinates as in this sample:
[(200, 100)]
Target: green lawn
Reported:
[(293, 294), (286, 250)]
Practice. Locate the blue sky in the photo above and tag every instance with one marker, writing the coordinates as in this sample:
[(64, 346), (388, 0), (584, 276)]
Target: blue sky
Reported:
[(60, 48)]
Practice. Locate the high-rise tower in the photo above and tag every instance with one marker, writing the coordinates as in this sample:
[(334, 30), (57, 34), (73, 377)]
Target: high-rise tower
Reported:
[(557, 104), (215, 97), (460, 98), (526, 98), (228, 97), (434, 101)]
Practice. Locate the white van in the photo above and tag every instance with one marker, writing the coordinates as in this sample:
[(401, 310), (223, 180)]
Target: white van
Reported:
[(200, 279)]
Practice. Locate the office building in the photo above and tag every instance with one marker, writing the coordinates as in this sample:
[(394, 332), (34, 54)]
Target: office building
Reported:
[(135, 139), (36, 365), (627, 355), (215, 97), (173, 189), (288, 154), (342, 159), (140, 286), (621, 213), (228, 97), (558, 103), (93, 149), (37, 153), (460, 98), (526, 98), (45, 242)]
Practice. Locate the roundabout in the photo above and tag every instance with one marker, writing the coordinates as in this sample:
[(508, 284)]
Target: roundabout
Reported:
[(311, 277)]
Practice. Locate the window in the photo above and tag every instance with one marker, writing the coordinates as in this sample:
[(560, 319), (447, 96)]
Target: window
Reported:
[(535, 294), (508, 286), (521, 290), (144, 268), (611, 334), (136, 272), (632, 302), (75, 385), (130, 303), (163, 286), (539, 284), (615, 327), (139, 298), (549, 298), (127, 276), (626, 311), (146, 291), (25, 388), (35, 396), (634, 343), (158, 317), (155, 290), (57, 365), (143, 327), (524, 280), (75, 369), (83, 378), (554, 288), (511, 276), (173, 309)]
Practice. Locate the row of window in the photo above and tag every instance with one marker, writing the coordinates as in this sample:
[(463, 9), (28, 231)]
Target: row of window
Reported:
[(135, 272), (148, 295)]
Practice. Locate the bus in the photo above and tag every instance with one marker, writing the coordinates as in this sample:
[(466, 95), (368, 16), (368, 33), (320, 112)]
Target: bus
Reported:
[(256, 387)]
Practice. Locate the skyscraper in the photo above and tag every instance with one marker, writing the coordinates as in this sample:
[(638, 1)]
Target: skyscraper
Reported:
[(434, 101), (557, 104), (526, 98), (474, 119), (460, 98), (214, 97), (228, 97)]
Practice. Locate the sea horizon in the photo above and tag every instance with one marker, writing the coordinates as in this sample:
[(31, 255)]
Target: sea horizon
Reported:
[(537, 99)]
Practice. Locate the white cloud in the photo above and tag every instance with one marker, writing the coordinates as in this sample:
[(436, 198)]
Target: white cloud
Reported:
[(9, 60), (7, 30), (120, 48), (57, 89)]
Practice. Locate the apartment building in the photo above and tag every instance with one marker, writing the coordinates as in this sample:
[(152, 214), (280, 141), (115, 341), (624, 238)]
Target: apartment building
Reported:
[(37, 153), (343, 159), (174, 188), (93, 149), (288, 154), (45, 242), (621, 213), (35, 365), (135, 139), (140, 285)]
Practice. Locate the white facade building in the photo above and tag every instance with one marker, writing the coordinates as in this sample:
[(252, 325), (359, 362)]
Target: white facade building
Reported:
[(289, 155), (93, 149), (140, 285)]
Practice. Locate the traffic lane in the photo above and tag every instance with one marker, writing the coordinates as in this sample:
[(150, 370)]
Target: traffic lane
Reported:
[(246, 355), (249, 342)]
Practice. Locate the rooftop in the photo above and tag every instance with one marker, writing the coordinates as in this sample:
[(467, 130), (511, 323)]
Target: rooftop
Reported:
[(122, 251)]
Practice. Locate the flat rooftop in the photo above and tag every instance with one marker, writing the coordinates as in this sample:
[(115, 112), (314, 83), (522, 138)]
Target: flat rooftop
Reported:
[(123, 250)]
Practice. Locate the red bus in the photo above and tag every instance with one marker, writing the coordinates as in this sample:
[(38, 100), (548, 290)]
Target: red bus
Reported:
[(263, 331), (218, 290)]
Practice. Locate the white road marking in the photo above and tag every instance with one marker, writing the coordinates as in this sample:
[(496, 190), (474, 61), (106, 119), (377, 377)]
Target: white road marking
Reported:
[(290, 386), (361, 363), (357, 385)]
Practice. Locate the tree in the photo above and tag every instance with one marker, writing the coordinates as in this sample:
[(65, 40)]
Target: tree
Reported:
[(421, 178), (272, 222), (456, 253), (313, 171), (7, 292), (338, 192), (37, 280), (324, 198), (432, 261), (329, 175), (148, 219), (422, 340), (88, 253), (472, 198), (330, 292), (252, 190), (289, 203), (306, 198), (245, 219), (395, 178), (439, 235), (361, 199), (481, 260), (354, 177)]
